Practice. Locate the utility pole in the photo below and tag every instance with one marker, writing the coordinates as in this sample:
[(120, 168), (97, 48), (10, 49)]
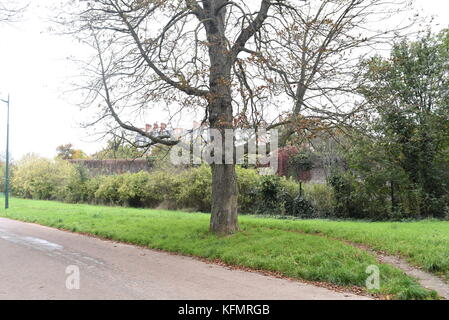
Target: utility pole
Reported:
[(7, 156)]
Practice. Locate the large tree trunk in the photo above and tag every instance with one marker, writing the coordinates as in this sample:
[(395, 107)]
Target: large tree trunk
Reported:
[(224, 199), (224, 183)]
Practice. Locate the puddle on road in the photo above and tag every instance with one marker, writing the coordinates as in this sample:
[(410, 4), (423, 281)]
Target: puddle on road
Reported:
[(30, 241), (50, 248), (44, 243)]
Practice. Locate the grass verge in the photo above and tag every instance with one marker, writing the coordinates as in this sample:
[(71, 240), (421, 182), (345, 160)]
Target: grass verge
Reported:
[(424, 244), (257, 246)]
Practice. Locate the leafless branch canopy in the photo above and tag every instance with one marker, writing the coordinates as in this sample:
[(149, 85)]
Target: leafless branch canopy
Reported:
[(263, 58)]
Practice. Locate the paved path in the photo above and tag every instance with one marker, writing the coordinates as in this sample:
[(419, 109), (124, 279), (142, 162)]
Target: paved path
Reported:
[(34, 261), (425, 279)]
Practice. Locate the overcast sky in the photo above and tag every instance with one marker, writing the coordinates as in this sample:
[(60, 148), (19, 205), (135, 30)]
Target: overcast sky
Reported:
[(35, 70)]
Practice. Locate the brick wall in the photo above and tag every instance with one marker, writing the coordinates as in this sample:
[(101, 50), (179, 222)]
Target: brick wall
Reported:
[(110, 167)]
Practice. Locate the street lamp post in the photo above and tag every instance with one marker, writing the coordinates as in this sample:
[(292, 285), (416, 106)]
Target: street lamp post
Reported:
[(7, 156)]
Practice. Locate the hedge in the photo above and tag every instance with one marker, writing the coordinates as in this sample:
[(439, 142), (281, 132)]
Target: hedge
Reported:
[(188, 189)]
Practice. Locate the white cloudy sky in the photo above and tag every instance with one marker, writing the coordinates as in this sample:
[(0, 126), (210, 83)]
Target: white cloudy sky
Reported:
[(34, 69)]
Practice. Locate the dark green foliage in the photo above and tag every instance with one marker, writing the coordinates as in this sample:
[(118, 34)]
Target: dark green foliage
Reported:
[(270, 193), (399, 166), (277, 197), (359, 199), (298, 206), (343, 190), (299, 162)]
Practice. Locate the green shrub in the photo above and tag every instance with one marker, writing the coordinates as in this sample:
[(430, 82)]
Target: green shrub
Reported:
[(91, 187), (321, 197), (195, 189), (76, 189), (270, 193), (368, 199), (344, 189), (2, 176), (297, 206), (107, 192), (40, 178), (289, 186), (346, 196), (278, 196), (162, 187), (248, 181), (133, 191), (145, 189)]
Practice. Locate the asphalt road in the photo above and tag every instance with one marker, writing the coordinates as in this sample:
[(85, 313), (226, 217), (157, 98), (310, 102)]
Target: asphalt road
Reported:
[(42, 263)]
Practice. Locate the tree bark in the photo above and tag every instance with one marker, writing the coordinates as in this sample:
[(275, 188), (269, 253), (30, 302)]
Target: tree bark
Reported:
[(224, 183), (224, 199)]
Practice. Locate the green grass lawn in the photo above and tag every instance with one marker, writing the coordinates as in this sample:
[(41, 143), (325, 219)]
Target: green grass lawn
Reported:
[(423, 243), (261, 244)]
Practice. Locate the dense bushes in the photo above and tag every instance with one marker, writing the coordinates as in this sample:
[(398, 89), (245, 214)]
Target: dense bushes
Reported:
[(187, 189), (281, 196), (77, 186), (40, 178), (346, 197), (108, 190), (321, 197), (194, 189), (248, 180), (375, 197), (140, 190)]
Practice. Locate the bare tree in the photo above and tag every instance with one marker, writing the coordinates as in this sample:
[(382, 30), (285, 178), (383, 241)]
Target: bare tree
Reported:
[(179, 52), (235, 61), (313, 55)]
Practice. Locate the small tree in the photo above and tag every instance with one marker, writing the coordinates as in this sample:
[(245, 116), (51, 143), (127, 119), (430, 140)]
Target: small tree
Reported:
[(67, 152), (408, 126), (119, 148)]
